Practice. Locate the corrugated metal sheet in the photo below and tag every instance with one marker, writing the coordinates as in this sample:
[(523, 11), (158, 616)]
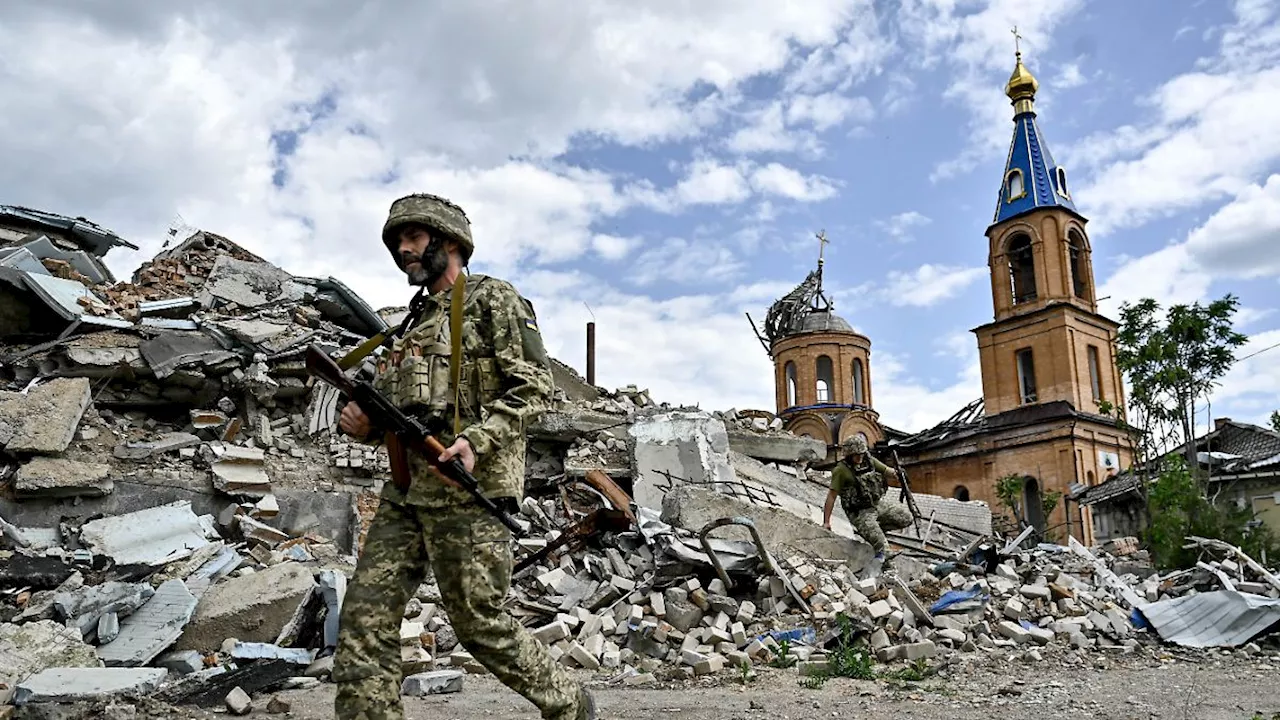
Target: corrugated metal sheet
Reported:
[(1222, 618)]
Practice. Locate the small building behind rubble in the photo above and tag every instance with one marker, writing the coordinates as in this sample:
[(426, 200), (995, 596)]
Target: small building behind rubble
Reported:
[(1240, 462)]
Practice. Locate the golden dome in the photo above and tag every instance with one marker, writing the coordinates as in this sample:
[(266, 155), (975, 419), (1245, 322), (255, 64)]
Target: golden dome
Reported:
[(1021, 87)]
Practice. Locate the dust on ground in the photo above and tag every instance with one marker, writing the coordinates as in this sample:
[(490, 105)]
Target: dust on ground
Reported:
[(1212, 688)]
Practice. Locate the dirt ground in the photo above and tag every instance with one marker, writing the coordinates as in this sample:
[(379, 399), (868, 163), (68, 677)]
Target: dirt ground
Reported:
[(1204, 688)]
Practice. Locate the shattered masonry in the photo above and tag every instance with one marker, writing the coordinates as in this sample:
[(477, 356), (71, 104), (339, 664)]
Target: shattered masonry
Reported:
[(178, 515)]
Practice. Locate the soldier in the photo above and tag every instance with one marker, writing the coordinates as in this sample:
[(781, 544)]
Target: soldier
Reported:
[(860, 480), (504, 381)]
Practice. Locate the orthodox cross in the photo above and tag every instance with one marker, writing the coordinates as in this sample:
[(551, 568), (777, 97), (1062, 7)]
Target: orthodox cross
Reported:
[(822, 244), (1017, 48)]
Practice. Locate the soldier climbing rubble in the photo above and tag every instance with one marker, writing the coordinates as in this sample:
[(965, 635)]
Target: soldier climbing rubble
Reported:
[(859, 481)]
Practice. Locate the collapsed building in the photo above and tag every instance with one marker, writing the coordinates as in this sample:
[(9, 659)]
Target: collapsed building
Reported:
[(179, 514)]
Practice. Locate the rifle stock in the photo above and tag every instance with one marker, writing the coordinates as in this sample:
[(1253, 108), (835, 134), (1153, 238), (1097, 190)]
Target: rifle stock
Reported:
[(404, 432)]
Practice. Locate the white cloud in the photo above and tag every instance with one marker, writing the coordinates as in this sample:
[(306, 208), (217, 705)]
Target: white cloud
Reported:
[(929, 284), (710, 182), (1169, 275), (613, 247), (1242, 239), (911, 404), (676, 260), (1069, 76), (899, 227), (776, 179), (828, 110)]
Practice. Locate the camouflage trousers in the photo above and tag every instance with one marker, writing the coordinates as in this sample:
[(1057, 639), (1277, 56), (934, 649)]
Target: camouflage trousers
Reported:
[(873, 521), (471, 554)]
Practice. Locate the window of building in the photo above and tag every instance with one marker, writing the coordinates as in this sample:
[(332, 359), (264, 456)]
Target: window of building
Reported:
[(1022, 269), (826, 378), (1015, 185), (1062, 183), (1079, 274), (859, 393), (961, 493), (791, 384), (1095, 380), (1026, 376)]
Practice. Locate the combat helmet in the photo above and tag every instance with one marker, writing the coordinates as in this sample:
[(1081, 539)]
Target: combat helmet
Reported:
[(432, 211), (854, 445)]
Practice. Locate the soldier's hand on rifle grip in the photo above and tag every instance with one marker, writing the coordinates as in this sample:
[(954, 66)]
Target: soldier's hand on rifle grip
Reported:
[(354, 422), (461, 449)]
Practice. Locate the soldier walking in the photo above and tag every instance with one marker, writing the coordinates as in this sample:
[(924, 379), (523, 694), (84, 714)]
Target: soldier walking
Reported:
[(477, 389)]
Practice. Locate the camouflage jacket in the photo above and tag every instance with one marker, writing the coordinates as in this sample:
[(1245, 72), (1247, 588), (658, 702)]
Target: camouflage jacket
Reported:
[(860, 487), (506, 382)]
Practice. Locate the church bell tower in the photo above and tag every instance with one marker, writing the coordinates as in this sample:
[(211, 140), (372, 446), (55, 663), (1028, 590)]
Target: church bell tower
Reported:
[(1047, 342)]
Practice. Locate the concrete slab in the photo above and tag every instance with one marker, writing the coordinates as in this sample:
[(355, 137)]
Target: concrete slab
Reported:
[(152, 628), (675, 447), (776, 448), (44, 420), (333, 509), (34, 646), (63, 685), (146, 536), (61, 477), (251, 608), (782, 532)]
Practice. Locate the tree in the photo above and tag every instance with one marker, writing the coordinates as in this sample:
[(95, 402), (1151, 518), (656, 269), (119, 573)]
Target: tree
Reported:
[(1275, 420), (1173, 363)]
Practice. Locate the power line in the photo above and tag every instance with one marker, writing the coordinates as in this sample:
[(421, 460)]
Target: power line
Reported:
[(1246, 357)]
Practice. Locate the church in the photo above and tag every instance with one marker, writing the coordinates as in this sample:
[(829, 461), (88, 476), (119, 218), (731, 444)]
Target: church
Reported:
[(1044, 425)]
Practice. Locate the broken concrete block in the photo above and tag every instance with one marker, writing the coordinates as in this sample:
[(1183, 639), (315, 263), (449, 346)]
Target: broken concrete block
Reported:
[(85, 606), (879, 609), (150, 629), (432, 683), (52, 477), (182, 662), (252, 608), (149, 536), (108, 627), (679, 444), (1041, 592), (168, 442), (711, 664), (1013, 631), (63, 685), (238, 702), (43, 421), (552, 632)]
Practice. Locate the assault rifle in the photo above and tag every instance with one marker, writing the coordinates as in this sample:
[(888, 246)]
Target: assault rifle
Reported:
[(404, 432), (905, 495)]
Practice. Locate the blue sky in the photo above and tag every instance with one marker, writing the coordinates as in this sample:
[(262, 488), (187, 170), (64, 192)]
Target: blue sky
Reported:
[(664, 168)]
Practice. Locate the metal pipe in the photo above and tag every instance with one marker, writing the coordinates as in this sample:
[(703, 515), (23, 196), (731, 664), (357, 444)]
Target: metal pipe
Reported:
[(591, 353)]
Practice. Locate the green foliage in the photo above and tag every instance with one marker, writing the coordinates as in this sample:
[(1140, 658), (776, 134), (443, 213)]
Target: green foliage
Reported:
[(1275, 420), (1174, 362), (784, 659), (915, 672), (1179, 509), (1009, 493), (851, 659)]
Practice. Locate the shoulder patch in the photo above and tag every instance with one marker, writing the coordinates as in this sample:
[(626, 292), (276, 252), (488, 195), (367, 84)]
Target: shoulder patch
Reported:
[(531, 324)]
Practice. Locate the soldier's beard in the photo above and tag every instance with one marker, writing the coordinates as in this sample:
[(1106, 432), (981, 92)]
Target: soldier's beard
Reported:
[(431, 264)]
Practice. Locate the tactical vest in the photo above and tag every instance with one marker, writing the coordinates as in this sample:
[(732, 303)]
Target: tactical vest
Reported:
[(864, 491), (418, 372)]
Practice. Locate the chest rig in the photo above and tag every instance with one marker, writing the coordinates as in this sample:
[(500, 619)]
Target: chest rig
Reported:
[(421, 372)]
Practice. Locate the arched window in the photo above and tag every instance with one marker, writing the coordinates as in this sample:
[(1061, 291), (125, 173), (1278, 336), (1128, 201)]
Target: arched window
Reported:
[(1062, 183), (859, 392), (791, 384), (826, 378), (1022, 269), (1015, 186), (1075, 260), (961, 493)]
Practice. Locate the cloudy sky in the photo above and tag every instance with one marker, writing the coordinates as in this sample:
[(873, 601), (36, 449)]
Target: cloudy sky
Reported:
[(662, 166)]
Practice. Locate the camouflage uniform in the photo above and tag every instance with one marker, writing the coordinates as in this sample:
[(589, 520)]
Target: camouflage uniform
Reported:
[(505, 381), (862, 495)]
